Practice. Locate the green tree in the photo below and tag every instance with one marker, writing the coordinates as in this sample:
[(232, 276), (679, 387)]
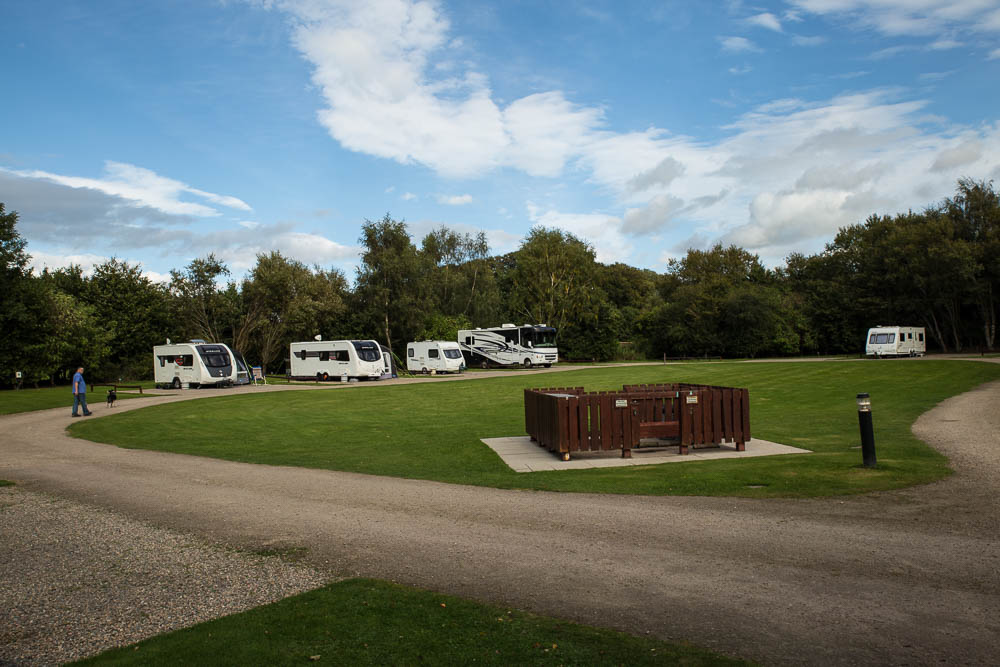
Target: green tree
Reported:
[(136, 313), (290, 302), (391, 292), (200, 306)]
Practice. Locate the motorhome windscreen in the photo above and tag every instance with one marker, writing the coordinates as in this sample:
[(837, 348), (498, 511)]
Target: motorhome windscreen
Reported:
[(367, 351), (453, 354), (538, 336), (213, 356)]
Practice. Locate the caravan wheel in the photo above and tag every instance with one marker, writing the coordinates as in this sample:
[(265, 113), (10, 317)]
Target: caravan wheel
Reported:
[(176, 384), (326, 376), (423, 370)]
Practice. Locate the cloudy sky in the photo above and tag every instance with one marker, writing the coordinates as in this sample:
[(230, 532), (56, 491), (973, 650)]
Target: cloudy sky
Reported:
[(160, 132)]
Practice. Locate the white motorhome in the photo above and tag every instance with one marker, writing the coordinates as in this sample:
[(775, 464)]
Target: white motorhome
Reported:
[(440, 356), (509, 345), (194, 364), (336, 359), (893, 341)]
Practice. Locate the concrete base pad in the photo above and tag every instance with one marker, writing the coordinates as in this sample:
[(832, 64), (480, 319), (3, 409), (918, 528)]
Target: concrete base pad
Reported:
[(523, 455)]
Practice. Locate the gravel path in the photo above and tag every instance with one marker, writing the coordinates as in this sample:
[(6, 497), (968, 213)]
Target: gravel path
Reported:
[(78, 580), (905, 577)]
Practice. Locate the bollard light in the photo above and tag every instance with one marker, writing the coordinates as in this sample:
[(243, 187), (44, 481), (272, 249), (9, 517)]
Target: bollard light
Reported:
[(867, 432)]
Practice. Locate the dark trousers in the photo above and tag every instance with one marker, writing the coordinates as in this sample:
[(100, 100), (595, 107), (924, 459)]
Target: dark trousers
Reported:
[(81, 400)]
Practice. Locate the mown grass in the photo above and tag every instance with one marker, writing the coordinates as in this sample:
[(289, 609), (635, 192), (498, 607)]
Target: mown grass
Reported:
[(367, 622), (432, 431), (29, 400), (4, 482)]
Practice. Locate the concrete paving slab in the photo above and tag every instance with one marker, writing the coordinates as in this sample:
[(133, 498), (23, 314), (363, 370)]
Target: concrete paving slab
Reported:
[(523, 455)]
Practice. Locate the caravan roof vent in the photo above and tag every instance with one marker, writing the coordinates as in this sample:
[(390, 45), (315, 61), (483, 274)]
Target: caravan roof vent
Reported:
[(197, 341), (507, 326)]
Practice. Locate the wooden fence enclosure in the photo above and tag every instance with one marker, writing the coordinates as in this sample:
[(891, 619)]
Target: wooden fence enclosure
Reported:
[(568, 419)]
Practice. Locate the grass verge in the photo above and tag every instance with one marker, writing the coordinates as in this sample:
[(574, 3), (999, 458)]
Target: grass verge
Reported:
[(368, 622), (433, 430), (29, 400)]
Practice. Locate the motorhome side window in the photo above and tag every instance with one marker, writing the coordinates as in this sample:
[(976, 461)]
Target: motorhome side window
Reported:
[(512, 336), (433, 354)]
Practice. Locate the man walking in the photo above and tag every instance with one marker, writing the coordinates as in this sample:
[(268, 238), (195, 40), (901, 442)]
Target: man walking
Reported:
[(80, 393)]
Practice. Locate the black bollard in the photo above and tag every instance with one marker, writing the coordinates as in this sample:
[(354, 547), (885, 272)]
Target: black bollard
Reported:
[(867, 433)]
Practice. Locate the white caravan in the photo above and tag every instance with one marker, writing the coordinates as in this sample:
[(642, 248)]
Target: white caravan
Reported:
[(336, 359), (194, 364), (509, 345), (887, 341), (440, 356)]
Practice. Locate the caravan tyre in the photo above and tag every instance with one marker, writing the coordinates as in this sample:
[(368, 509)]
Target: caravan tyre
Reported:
[(326, 376), (423, 370), (176, 384)]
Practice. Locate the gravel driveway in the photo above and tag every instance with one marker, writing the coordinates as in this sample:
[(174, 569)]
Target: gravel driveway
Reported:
[(904, 577)]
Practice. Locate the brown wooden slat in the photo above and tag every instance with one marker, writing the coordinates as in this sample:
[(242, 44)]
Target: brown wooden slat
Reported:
[(606, 441), (716, 416), (572, 424)]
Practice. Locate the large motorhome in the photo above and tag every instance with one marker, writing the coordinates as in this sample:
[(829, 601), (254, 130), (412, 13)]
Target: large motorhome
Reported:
[(440, 356), (893, 341), (335, 360), (194, 364), (509, 345)]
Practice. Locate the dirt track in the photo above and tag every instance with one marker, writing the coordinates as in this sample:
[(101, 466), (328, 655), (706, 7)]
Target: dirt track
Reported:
[(904, 577)]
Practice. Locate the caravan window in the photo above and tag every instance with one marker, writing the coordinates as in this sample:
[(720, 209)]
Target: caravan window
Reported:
[(433, 354), (884, 339), (324, 356), (367, 351), (871, 339), (920, 337), (184, 360), (453, 354), (409, 352)]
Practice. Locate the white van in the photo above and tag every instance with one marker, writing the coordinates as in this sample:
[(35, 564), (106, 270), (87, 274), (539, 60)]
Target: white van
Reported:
[(336, 359), (194, 364), (440, 356), (892, 341)]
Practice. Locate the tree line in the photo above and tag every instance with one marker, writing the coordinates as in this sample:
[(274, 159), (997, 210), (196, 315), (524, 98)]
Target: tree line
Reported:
[(939, 268)]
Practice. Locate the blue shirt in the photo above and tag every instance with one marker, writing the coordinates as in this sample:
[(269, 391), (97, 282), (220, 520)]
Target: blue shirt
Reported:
[(83, 384)]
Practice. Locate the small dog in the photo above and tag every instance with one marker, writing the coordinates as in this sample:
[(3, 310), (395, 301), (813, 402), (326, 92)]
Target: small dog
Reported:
[(112, 397)]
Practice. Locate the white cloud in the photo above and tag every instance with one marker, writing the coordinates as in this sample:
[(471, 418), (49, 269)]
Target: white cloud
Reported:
[(375, 65), (140, 187), (766, 20), (408, 196), (737, 44), (602, 231), (911, 17), (808, 40), (454, 200), (994, 54), (944, 45)]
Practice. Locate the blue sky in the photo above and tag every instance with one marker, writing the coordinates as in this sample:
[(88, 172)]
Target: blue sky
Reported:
[(160, 132)]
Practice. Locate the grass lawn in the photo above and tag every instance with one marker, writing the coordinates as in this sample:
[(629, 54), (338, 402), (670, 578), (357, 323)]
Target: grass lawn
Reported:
[(4, 482), (28, 400), (361, 622), (432, 431)]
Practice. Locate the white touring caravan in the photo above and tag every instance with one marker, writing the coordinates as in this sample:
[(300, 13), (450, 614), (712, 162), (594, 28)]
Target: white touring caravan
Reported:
[(440, 356), (890, 341), (509, 345), (194, 364), (336, 359)]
